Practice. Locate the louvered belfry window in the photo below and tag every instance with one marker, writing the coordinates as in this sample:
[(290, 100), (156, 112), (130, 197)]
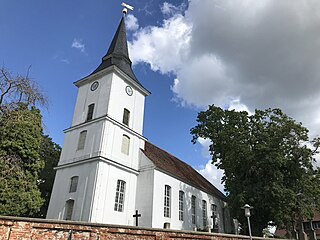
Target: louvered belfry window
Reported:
[(90, 112), (126, 117)]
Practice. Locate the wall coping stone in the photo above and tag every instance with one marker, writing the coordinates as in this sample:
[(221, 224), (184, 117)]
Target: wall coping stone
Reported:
[(101, 225)]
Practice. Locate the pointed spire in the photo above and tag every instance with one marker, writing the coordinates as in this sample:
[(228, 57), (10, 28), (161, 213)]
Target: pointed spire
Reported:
[(119, 44), (118, 53)]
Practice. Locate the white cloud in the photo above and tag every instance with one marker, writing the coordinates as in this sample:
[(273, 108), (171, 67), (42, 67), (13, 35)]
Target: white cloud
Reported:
[(213, 175), (157, 45), (170, 9), (238, 106), (239, 54), (210, 171), (78, 44), (64, 60), (131, 22)]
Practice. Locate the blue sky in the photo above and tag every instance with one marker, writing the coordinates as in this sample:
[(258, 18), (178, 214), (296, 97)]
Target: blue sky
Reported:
[(41, 33), (236, 54)]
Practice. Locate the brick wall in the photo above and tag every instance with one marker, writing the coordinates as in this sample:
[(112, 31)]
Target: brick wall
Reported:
[(30, 228)]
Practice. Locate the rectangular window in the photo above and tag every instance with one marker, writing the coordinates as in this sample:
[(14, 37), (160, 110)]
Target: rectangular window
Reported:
[(125, 144), (126, 117), (214, 215), (316, 225), (167, 199), (119, 200), (204, 213), (69, 209), (73, 184), (82, 140), (90, 112), (181, 205), (193, 209)]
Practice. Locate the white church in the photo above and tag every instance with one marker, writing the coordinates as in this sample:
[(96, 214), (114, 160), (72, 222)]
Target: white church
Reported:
[(110, 173)]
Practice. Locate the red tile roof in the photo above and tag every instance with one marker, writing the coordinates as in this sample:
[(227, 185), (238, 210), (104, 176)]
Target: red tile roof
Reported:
[(316, 216), (175, 167)]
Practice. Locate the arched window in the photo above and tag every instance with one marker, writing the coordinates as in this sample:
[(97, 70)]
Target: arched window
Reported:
[(181, 205), (126, 117), (167, 200), (204, 213), (82, 139), (119, 200), (193, 209), (90, 112), (69, 209), (125, 144), (73, 184)]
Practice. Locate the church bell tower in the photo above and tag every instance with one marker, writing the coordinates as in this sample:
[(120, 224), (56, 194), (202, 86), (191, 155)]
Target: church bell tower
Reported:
[(99, 162)]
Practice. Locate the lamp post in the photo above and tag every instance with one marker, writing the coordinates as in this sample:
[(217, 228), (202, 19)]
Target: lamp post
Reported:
[(247, 214)]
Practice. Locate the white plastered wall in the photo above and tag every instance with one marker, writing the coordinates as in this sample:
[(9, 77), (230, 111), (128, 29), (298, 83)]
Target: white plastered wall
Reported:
[(82, 197), (160, 180), (145, 189), (105, 192), (120, 100), (85, 97)]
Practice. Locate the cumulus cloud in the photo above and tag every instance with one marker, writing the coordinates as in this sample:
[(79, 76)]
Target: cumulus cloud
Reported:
[(160, 44), (78, 44), (210, 171), (240, 54), (131, 22), (213, 175)]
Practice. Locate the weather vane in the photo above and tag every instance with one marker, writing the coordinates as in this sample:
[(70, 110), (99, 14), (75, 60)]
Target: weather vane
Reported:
[(126, 7)]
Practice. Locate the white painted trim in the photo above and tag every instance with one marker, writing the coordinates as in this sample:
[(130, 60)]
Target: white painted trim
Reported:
[(107, 117), (115, 69), (102, 159)]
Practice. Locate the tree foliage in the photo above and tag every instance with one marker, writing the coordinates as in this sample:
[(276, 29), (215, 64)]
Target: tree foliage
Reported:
[(50, 153), (24, 150), (267, 163), (20, 138)]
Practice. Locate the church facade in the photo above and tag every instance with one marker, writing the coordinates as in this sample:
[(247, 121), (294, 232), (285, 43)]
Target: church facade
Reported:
[(108, 170)]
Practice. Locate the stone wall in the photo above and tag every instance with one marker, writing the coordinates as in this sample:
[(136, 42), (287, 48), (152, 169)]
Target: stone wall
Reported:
[(36, 229)]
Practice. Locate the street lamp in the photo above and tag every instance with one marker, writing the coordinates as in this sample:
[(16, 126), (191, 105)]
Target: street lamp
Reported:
[(247, 214)]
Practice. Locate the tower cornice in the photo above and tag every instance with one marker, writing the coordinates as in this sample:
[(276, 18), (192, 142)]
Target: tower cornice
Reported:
[(111, 69), (103, 118)]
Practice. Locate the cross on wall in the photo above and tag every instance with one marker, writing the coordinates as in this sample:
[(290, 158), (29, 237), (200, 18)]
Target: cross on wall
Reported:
[(136, 216)]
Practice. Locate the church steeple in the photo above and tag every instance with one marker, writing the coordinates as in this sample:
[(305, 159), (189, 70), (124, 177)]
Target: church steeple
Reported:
[(118, 53)]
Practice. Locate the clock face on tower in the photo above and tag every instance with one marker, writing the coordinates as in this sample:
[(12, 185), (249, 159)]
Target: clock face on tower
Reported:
[(129, 90), (94, 86)]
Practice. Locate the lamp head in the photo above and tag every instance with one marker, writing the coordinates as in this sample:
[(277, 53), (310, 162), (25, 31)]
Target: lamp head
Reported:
[(247, 208)]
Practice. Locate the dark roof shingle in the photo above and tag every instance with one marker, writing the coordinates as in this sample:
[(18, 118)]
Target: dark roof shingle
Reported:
[(181, 170)]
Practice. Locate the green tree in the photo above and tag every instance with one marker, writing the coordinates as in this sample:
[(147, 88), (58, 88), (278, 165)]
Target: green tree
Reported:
[(27, 157), (50, 153), (20, 163), (266, 161)]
